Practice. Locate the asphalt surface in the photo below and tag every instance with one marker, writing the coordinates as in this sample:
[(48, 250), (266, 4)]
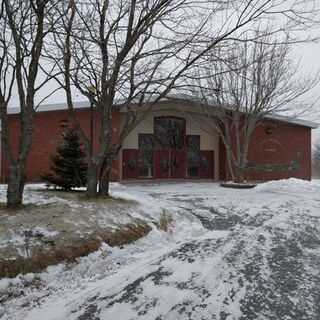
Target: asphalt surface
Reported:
[(258, 268)]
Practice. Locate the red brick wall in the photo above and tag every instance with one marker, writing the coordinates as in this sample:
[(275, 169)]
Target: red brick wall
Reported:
[(288, 145), (47, 134), (286, 151)]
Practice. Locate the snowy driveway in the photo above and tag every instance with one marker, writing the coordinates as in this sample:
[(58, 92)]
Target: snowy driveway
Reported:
[(231, 254)]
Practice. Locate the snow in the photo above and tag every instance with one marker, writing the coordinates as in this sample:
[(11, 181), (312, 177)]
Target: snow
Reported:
[(291, 185), (18, 238), (230, 254), (45, 232)]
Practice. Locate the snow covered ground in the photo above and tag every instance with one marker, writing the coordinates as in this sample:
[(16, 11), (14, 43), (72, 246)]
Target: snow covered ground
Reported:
[(230, 254)]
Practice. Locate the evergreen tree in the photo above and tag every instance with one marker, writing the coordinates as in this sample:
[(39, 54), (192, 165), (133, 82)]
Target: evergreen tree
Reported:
[(67, 168)]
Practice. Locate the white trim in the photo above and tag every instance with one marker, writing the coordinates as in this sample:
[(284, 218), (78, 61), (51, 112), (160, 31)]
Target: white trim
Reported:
[(300, 122)]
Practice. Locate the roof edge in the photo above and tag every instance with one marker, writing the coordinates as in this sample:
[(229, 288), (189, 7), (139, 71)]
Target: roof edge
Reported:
[(53, 107), (296, 121), (86, 104)]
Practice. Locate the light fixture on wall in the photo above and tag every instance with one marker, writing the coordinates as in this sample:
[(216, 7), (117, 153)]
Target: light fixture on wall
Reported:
[(269, 130), (269, 127), (64, 124)]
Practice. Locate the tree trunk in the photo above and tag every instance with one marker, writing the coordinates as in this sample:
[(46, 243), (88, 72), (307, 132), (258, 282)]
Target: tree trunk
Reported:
[(241, 164), (104, 177), (104, 180), (15, 187), (92, 180), (239, 175), (230, 162)]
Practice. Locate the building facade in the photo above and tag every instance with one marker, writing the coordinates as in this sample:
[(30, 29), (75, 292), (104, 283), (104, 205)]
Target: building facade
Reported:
[(172, 142)]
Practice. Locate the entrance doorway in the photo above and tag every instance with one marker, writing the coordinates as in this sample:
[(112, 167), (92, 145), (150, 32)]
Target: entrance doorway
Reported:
[(169, 136), (168, 153), (169, 164)]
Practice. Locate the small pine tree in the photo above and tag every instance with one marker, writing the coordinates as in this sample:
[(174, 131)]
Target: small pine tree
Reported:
[(67, 168)]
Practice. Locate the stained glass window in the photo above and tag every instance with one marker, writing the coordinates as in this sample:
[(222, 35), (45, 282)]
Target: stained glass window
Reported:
[(169, 133)]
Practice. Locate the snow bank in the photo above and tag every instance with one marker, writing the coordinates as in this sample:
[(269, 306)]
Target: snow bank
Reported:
[(289, 185)]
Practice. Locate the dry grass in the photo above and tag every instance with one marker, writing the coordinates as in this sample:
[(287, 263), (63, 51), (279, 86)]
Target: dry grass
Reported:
[(127, 234), (13, 291), (165, 222), (25, 206), (41, 259)]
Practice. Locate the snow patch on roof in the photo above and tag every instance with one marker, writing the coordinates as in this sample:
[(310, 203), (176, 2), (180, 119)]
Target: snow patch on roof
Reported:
[(53, 107)]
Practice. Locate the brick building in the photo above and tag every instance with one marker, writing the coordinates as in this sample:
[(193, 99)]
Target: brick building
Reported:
[(172, 142)]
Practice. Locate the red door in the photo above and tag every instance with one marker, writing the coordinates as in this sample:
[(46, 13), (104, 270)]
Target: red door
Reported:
[(161, 164), (207, 164), (130, 167), (170, 164), (177, 164)]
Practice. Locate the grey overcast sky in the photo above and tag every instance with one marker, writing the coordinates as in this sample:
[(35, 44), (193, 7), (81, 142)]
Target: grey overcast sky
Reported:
[(308, 53), (310, 62)]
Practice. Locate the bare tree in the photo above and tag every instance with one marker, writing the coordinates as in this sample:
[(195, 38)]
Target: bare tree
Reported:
[(133, 53), (316, 159), (255, 80), (22, 30)]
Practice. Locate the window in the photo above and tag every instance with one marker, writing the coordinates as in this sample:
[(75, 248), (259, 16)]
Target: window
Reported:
[(193, 148), (169, 133), (146, 155)]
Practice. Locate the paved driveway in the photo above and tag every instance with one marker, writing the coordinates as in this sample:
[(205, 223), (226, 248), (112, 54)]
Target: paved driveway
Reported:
[(258, 258)]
